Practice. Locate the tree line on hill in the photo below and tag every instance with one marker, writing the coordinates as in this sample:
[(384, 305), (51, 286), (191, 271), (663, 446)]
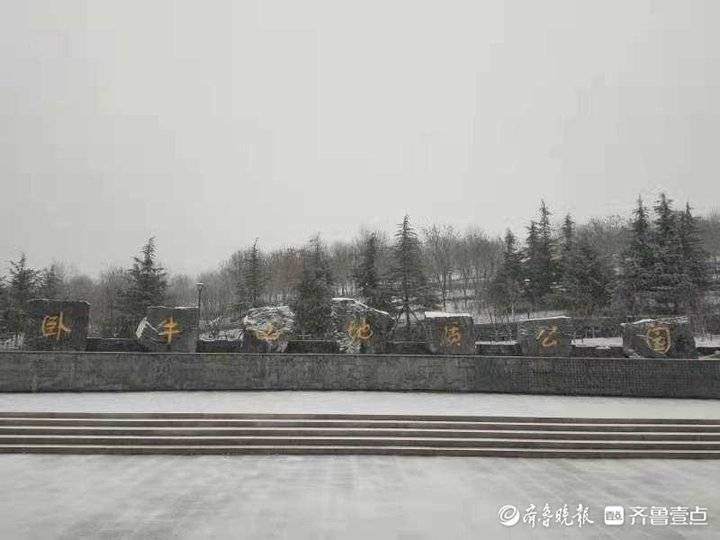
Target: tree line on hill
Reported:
[(661, 261)]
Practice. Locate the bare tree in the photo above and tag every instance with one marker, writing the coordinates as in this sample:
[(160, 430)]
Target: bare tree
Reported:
[(439, 248)]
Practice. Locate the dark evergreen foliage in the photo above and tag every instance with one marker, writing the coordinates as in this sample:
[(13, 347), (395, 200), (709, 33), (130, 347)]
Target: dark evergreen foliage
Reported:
[(22, 287), (506, 289), (410, 283), (314, 292), (50, 283), (147, 283), (370, 285), (531, 267), (250, 280), (587, 280), (695, 276), (638, 262)]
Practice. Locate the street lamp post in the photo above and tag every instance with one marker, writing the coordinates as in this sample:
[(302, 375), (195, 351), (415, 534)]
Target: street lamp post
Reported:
[(200, 287)]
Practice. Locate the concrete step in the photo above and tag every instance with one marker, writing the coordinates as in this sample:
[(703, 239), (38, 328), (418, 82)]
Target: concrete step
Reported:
[(363, 450), (369, 417), (200, 433), (358, 441), (521, 425), (349, 432)]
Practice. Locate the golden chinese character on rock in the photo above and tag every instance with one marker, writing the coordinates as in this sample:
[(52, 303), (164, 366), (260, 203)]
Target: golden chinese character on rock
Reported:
[(269, 333), (452, 335), (360, 330), (169, 329), (548, 337), (657, 338), (53, 326)]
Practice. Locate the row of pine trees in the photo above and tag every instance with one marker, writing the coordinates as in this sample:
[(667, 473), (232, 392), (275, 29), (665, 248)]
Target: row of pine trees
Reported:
[(403, 292), (663, 270), (145, 284)]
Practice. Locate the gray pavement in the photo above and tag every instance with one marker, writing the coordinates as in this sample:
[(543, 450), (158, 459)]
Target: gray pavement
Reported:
[(311, 497), (357, 497), (362, 402)]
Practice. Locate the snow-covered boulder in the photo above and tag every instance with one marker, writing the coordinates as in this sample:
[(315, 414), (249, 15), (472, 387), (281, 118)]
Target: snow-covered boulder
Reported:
[(224, 328), (551, 336), (449, 333), (359, 328), (659, 338), (268, 329)]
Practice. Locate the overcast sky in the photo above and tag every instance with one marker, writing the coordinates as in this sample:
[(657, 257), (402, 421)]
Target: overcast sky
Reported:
[(207, 124)]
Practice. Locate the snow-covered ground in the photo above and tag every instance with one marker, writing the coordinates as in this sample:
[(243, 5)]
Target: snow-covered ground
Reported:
[(707, 341), (700, 341)]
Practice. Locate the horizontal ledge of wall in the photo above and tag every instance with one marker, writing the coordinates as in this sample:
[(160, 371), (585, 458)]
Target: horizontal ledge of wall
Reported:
[(34, 371)]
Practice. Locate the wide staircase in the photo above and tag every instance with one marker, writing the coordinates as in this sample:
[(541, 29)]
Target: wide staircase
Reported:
[(345, 434)]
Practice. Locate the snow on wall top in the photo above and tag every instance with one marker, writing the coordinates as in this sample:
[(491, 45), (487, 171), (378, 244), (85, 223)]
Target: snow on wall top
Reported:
[(444, 315), (545, 318), (341, 299)]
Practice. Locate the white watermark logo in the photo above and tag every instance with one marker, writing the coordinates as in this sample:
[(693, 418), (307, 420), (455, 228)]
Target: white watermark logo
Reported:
[(579, 515), (614, 515), (509, 515)]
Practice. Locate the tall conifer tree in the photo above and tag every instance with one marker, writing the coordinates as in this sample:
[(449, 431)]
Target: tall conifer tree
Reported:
[(638, 263), (408, 276), (147, 283), (21, 288), (314, 292)]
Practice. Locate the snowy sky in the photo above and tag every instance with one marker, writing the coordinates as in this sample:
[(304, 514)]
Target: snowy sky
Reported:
[(208, 124)]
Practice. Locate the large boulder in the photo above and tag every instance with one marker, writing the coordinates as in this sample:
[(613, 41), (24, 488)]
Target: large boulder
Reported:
[(546, 337), (56, 325), (222, 328), (449, 333), (359, 328), (167, 329), (268, 329), (659, 338)]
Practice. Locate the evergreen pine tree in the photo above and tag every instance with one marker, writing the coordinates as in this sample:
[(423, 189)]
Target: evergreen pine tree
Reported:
[(367, 279), (314, 292), (51, 281), (568, 235), (408, 276), (694, 259), (566, 259), (545, 261), (507, 285), (147, 283), (250, 280), (638, 263), (539, 264), (530, 266), (667, 275), (254, 276), (587, 280), (4, 306), (22, 287)]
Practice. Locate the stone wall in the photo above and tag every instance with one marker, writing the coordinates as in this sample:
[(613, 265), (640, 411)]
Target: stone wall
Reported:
[(70, 371)]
